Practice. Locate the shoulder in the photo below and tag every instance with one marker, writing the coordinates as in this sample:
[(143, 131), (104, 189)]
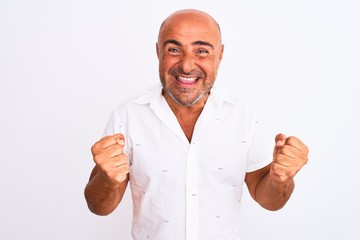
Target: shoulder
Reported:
[(139, 100), (235, 101)]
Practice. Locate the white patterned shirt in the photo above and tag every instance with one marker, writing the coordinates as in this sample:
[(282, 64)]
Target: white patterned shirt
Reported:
[(183, 190)]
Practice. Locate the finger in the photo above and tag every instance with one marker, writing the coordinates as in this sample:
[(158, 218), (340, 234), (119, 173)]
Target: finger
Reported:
[(111, 140), (107, 141), (283, 160), (121, 173), (288, 151), (292, 164), (120, 141), (280, 139), (117, 175), (107, 154), (113, 151), (123, 169), (112, 166), (120, 160), (303, 150), (113, 163)]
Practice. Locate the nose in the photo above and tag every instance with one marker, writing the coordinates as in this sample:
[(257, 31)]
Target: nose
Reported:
[(186, 63)]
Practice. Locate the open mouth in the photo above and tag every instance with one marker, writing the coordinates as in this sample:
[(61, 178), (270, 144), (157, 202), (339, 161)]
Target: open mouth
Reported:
[(187, 80)]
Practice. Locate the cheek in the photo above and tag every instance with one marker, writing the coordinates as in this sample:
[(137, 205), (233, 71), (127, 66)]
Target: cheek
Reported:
[(209, 67), (166, 63)]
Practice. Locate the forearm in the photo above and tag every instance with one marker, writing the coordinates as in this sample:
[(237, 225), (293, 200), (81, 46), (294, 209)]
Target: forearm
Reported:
[(102, 197), (272, 194)]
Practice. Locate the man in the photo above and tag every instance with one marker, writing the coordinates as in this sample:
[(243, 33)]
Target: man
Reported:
[(187, 148)]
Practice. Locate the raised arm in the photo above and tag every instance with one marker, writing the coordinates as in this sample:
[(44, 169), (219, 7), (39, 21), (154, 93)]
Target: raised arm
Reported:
[(109, 177), (272, 185)]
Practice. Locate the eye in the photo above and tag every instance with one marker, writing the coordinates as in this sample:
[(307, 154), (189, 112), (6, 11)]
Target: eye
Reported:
[(173, 51), (202, 52)]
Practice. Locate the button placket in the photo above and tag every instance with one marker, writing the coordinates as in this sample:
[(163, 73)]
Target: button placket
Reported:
[(192, 195)]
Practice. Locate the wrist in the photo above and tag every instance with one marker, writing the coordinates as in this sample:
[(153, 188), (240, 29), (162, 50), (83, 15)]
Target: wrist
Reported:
[(108, 183), (280, 185)]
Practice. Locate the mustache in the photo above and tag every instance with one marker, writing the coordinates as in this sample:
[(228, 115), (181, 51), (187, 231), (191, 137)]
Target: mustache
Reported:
[(178, 71)]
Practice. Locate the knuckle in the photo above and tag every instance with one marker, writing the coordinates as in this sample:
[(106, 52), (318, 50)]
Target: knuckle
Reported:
[(306, 159), (284, 149), (94, 148), (104, 167), (292, 172), (97, 160), (291, 140), (279, 158), (116, 149), (124, 170), (100, 158), (127, 168), (119, 135), (306, 149), (275, 167), (123, 158)]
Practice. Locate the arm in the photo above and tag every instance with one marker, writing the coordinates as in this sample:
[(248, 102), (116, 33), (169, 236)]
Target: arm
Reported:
[(109, 178), (272, 185)]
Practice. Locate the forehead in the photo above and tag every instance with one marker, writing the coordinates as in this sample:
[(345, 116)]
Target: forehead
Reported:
[(190, 27)]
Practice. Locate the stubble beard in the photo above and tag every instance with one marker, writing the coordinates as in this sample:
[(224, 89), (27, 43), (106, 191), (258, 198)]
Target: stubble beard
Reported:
[(187, 103), (176, 92)]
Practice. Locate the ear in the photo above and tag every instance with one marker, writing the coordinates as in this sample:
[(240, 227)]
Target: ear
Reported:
[(221, 52), (157, 50)]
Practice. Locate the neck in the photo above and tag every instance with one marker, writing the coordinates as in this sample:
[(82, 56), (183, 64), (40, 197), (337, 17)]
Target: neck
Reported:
[(179, 109), (186, 115)]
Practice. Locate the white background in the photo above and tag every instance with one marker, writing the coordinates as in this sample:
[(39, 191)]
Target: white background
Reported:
[(65, 64)]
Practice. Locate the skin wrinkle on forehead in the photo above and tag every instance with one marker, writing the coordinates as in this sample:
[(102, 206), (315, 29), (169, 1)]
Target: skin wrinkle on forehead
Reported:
[(165, 24), (200, 43)]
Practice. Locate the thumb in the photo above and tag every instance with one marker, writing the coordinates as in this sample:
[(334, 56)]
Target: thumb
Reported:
[(120, 139), (280, 140)]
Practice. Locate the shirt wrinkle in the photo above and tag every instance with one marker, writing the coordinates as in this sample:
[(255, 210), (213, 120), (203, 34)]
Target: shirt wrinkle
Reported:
[(183, 190)]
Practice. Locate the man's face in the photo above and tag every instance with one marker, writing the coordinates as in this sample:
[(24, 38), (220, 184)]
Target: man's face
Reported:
[(189, 51)]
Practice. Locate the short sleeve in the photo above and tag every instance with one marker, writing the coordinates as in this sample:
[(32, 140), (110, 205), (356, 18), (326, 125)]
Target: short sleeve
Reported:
[(113, 126), (261, 147)]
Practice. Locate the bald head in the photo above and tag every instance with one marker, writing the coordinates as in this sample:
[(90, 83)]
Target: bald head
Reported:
[(189, 15), (189, 50)]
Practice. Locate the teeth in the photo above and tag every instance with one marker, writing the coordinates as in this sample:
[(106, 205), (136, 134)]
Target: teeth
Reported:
[(187, 79)]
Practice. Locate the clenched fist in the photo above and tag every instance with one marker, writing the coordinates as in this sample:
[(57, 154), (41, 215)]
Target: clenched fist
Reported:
[(289, 156), (109, 156)]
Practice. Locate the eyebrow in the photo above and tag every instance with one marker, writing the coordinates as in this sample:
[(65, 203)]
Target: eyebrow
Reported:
[(173, 42), (199, 43), (203, 43)]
